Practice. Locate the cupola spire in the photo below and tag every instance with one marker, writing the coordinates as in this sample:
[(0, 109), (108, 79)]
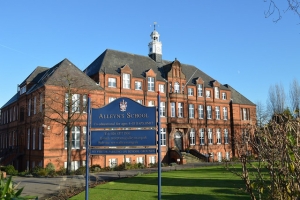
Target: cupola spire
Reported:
[(155, 46)]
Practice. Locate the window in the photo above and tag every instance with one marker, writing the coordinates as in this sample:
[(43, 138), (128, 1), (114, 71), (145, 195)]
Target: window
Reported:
[(163, 136), (200, 111), (29, 107), (138, 85), (180, 109), (23, 90), (173, 109), (210, 137), (151, 103), (176, 87), (226, 136), (190, 91), (218, 136), (217, 93), (201, 136), (140, 160), (75, 137), (208, 108), (40, 138), (76, 103), (74, 165), (150, 84), (126, 81), (41, 102), (207, 93), (34, 105), (192, 136), (113, 162), (84, 137), (162, 109), (200, 90), (84, 103), (217, 112), (28, 138), (219, 156), (127, 160), (140, 101), (224, 97), (245, 113), (152, 159), (227, 155), (191, 111), (161, 88), (33, 139), (225, 114), (112, 82)]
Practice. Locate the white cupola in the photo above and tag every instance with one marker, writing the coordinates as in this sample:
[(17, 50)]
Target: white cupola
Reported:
[(155, 46)]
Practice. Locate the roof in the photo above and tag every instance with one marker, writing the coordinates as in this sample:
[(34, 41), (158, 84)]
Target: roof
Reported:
[(111, 61), (238, 98)]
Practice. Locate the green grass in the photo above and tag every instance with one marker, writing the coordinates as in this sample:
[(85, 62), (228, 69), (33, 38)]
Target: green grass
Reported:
[(198, 183)]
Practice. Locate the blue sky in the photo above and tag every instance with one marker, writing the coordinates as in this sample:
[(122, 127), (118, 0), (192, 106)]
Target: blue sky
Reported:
[(231, 41)]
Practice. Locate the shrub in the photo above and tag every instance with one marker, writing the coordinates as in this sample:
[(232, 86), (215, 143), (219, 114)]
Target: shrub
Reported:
[(35, 171), (61, 171), (24, 173), (50, 167), (10, 169), (95, 168), (81, 170), (42, 172)]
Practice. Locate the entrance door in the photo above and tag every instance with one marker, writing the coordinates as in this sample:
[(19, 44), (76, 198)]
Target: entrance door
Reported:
[(178, 140)]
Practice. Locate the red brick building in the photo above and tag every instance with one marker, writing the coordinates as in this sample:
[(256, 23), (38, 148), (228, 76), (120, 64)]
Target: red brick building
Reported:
[(198, 113)]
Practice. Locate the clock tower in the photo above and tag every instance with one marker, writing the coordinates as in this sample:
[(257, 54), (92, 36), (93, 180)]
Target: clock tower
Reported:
[(155, 50)]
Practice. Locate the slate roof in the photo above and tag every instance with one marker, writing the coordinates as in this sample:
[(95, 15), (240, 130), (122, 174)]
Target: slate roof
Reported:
[(238, 98), (52, 76), (111, 61)]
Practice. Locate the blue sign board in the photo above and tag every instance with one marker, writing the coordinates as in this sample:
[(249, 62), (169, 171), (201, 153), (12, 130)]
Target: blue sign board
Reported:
[(122, 151), (123, 138), (123, 112)]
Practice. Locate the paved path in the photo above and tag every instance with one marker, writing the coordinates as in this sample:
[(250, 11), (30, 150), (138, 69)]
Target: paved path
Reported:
[(43, 187)]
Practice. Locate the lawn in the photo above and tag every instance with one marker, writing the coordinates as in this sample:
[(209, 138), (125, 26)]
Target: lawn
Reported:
[(210, 183)]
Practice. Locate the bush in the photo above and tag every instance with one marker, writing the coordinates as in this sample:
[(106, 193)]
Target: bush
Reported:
[(42, 172), (35, 171), (95, 168), (81, 170), (61, 171), (24, 173), (10, 170), (50, 167)]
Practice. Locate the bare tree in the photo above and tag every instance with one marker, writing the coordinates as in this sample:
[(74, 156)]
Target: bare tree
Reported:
[(262, 115), (65, 100), (295, 97), (276, 172), (274, 8), (277, 99)]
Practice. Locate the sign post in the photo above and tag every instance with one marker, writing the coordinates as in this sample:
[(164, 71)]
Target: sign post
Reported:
[(159, 146)]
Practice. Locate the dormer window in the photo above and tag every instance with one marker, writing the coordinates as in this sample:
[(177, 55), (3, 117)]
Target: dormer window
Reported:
[(207, 93), (217, 93), (112, 82), (150, 84), (200, 90), (224, 97), (23, 90), (126, 81)]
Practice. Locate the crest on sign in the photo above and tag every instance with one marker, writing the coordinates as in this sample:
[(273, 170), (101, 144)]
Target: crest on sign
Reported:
[(123, 106)]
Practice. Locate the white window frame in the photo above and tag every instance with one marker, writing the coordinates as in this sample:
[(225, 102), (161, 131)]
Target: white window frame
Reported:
[(29, 107), (41, 102), (84, 103), (75, 137), (209, 112), (210, 136), (227, 155), (200, 112), (219, 138), (200, 90), (40, 137), (191, 111), (113, 162), (225, 113), (224, 96), (151, 103), (112, 82), (219, 156), (126, 81), (162, 109), (28, 138), (201, 136), (84, 137), (140, 101), (152, 159), (207, 92), (138, 85), (75, 102), (140, 160), (163, 137), (226, 136), (192, 137), (111, 99), (161, 88), (150, 84), (173, 109), (190, 91), (176, 87), (180, 109), (217, 110), (217, 93), (33, 139), (34, 105)]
